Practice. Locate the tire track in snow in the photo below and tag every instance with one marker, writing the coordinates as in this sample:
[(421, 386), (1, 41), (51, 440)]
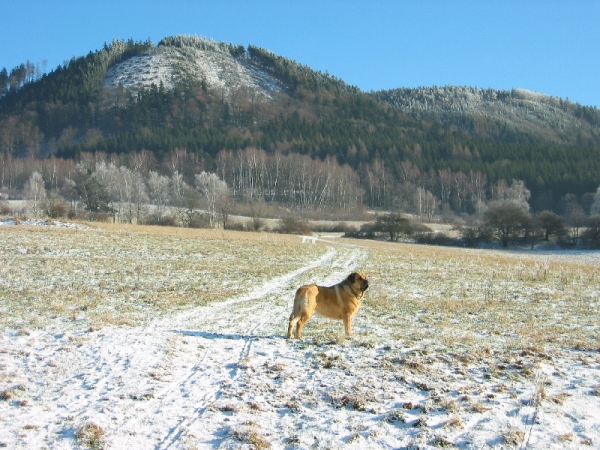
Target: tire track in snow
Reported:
[(134, 383), (243, 333), (346, 264)]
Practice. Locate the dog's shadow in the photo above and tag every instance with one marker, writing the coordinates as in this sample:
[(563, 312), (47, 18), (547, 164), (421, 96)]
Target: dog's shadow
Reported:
[(231, 336)]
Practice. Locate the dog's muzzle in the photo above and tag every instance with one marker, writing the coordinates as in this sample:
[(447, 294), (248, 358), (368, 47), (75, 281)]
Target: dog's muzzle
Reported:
[(365, 285)]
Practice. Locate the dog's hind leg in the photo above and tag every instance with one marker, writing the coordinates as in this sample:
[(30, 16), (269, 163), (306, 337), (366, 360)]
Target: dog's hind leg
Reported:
[(293, 321), (301, 323)]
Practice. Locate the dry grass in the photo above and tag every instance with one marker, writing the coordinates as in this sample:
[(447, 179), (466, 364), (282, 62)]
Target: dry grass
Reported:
[(91, 435), (454, 422), (123, 275), (567, 437), (250, 434), (514, 436), (475, 296)]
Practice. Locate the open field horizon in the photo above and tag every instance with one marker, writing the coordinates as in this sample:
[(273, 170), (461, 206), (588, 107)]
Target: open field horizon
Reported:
[(160, 337)]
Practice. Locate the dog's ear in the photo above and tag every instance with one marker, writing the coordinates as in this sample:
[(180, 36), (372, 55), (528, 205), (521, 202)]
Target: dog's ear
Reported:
[(352, 278)]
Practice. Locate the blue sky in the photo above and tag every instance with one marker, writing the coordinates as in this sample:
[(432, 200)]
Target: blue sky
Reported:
[(552, 47)]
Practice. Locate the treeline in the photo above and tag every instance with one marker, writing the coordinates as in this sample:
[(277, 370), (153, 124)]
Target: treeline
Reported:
[(297, 182), (68, 113), (135, 188), (19, 76)]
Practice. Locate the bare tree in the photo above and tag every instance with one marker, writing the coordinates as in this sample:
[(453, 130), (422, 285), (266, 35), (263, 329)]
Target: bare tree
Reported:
[(135, 194), (214, 190), (462, 189), (35, 193), (478, 183), (426, 203), (178, 188), (517, 193), (445, 182), (110, 177), (142, 161), (158, 191)]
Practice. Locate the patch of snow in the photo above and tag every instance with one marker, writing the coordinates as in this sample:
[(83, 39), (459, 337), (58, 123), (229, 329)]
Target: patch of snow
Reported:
[(167, 64), (224, 376), (139, 71), (43, 223), (529, 95)]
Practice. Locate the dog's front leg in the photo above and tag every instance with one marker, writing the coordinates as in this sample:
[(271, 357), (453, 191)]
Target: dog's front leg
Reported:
[(348, 324)]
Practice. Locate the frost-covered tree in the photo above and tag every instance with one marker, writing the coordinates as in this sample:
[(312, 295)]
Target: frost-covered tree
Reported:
[(215, 191), (158, 191), (516, 193), (135, 194), (110, 177), (178, 188), (181, 197), (35, 193), (92, 191)]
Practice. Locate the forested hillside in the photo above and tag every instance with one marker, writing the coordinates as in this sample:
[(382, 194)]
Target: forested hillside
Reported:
[(451, 144)]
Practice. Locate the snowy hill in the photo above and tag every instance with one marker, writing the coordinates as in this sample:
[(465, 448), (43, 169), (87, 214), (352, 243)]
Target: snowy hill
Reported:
[(168, 64), (525, 110)]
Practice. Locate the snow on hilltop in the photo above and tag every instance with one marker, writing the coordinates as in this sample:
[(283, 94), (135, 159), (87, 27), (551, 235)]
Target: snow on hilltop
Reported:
[(167, 64), (140, 71)]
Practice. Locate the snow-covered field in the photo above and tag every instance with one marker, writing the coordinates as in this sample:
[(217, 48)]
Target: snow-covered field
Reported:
[(168, 338)]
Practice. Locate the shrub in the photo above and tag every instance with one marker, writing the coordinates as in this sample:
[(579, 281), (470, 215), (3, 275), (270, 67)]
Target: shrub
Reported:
[(339, 227), (199, 221), (4, 208), (160, 220), (238, 226), (474, 236), (395, 225), (367, 231), (55, 207), (293, 225), (436, 239), (591, 235), (96, 216), (419, 227)]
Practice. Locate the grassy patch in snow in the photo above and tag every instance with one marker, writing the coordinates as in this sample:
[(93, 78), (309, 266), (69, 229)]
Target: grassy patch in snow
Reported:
[(455, 298), (125, 275)]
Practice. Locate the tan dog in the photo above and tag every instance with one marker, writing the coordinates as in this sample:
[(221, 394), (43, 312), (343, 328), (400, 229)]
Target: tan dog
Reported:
[(339, 302)]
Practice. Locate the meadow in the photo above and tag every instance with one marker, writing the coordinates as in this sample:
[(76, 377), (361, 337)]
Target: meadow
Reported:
[(153, 337)]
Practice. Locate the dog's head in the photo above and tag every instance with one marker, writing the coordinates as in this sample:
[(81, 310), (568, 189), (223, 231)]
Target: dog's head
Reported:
[(358, 281)]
